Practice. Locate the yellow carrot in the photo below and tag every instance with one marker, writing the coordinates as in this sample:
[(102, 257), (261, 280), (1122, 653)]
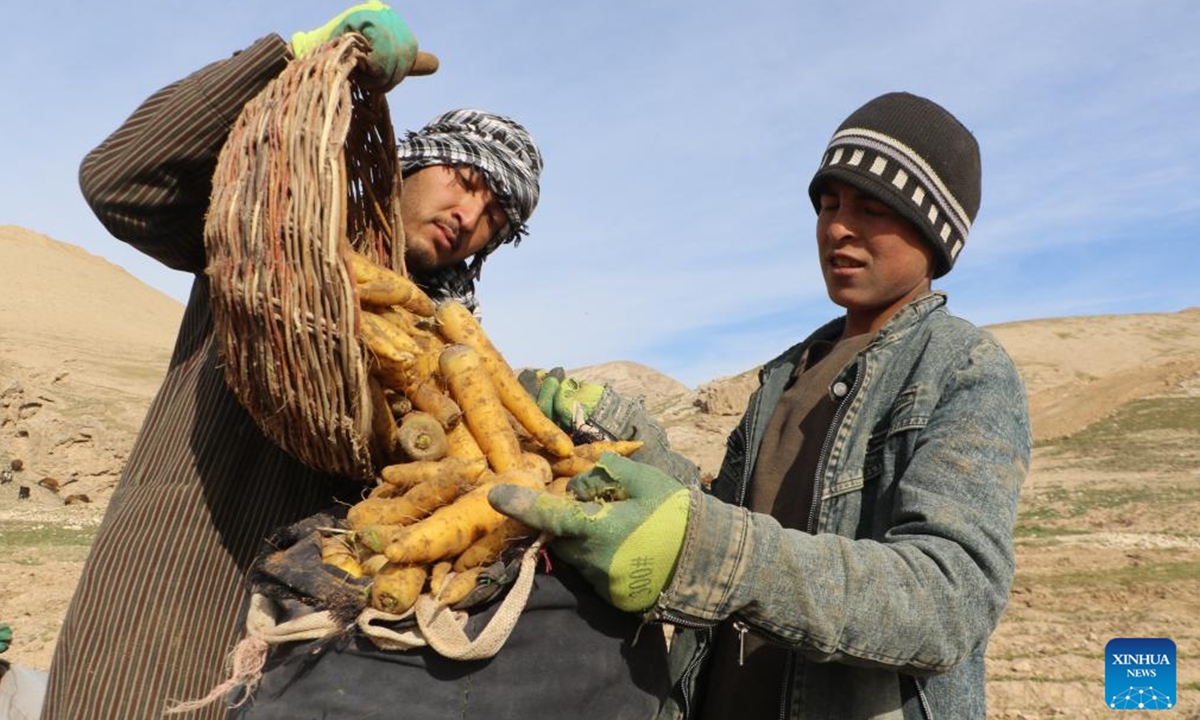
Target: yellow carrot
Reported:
[(471, 387), (460, 444), (452, 529), (437, 576), (421, 437), (383, 423), (386, 341), (379, 286), (458, 586), (411, 506), (335, 552), (592, 451), (458, 325), (489, 548), (405, 476), (395, 589)]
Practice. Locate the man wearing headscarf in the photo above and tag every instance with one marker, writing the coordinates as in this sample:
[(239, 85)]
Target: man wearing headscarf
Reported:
[(157, 607), (481, 154)]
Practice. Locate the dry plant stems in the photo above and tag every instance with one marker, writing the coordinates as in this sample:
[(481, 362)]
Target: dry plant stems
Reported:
[(309, 172)]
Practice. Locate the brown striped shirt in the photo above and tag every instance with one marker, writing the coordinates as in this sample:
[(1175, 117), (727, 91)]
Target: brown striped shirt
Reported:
[(156, 610)]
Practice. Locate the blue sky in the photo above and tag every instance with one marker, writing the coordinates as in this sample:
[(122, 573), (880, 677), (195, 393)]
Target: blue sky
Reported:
[(674, 228)]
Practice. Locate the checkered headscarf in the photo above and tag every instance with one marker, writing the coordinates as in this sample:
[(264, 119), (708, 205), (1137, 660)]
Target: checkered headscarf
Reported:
[(499, 147)]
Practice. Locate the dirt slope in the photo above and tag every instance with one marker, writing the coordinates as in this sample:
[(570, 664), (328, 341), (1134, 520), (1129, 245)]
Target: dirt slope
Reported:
[(83, 347), (1079, 370)]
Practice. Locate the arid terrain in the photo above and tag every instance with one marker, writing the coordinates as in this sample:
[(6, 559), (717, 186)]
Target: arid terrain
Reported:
[(1108, 544)]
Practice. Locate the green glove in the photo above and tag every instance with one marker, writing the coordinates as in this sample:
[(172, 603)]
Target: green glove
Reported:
[(5, 637), (624, 537), (393, 46), (534, 379), (567, 401)]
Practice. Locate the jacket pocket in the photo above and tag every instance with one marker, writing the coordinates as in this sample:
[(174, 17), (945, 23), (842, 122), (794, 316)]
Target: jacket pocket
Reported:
[(887, 440), (843, 484), (873, 462), (908, 412)]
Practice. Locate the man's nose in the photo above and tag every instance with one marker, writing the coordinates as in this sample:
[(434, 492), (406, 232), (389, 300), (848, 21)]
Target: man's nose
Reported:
[(469, 211), (838, 229)]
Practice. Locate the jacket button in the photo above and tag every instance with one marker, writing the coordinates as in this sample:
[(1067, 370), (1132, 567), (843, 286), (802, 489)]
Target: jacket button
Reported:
[(840, 389)]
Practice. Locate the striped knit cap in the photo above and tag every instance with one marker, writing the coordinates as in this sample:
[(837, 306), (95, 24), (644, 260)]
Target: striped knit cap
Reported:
[(913, 155), (498, 147)]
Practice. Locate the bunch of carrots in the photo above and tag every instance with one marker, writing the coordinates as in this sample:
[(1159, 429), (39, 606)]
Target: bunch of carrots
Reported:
[(450, 420)]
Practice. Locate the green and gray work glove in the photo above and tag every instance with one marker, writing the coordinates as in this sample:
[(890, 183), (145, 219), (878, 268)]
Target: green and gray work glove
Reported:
[(5, 637), (567, 401), (624, 532), (393, 46)]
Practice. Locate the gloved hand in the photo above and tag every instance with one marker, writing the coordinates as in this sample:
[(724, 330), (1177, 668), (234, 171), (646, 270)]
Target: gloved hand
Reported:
[(625, 535), (5, 637), (393, 46), (566, 401)]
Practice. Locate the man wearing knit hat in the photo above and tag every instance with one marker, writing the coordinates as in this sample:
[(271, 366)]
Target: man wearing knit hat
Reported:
[(854, 554), (157, 609)]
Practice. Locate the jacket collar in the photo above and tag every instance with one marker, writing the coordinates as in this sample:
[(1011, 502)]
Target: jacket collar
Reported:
[(905, 318), (909, 315)]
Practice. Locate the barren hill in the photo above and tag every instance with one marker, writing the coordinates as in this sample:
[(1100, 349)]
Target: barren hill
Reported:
[(1080, 369), (83, 347)]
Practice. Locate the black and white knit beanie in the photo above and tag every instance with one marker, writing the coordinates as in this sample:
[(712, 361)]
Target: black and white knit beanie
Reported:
[(916, 157)]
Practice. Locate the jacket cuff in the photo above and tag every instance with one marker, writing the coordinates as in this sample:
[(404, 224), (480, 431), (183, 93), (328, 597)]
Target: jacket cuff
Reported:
[(712, 564)]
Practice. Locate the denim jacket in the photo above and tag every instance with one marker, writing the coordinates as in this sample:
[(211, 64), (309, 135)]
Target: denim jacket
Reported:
[(888, 601)]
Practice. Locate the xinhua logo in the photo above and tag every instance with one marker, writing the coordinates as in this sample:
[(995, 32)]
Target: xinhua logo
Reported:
[(1139, 674)]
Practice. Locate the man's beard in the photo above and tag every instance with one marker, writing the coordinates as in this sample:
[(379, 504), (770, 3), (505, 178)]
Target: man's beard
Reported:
[(421, 257)]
